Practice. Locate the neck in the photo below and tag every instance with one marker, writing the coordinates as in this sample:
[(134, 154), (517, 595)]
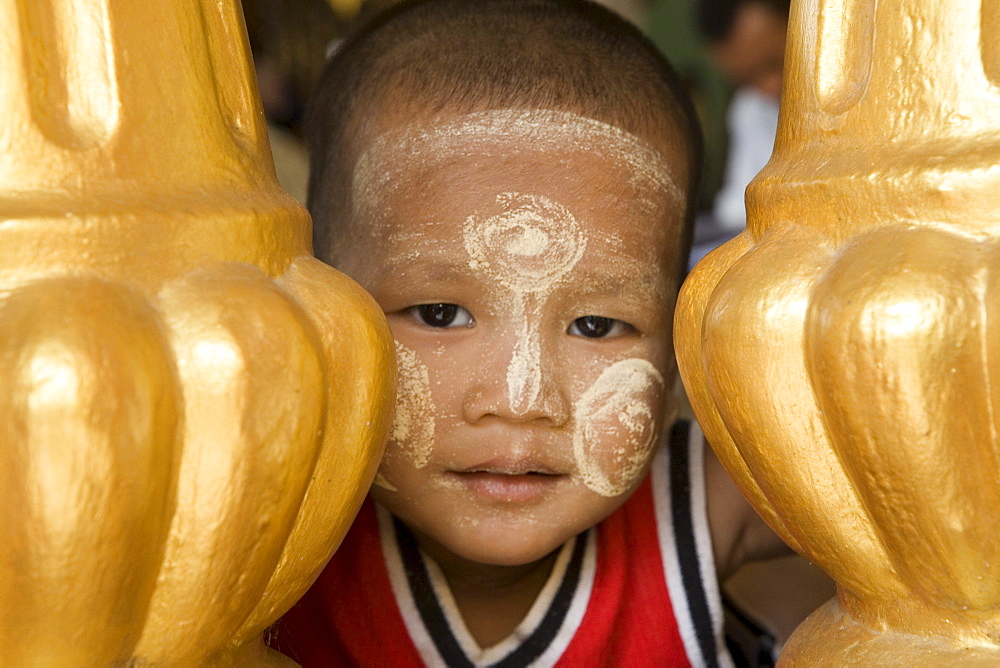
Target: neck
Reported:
[(492, 599)]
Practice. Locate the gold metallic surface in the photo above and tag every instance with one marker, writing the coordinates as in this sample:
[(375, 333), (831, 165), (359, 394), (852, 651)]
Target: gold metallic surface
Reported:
[(192, 407), (841, 353), (346, 8)]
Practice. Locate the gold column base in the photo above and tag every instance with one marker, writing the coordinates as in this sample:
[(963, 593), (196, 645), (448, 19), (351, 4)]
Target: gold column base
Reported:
[(835, 635)]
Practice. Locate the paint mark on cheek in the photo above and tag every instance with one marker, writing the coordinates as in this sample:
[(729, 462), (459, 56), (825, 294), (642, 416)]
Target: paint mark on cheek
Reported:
[(531, 245), (615, 426), (411, 438)]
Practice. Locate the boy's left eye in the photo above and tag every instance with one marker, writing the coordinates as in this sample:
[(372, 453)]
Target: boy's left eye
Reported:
[(598, 327)]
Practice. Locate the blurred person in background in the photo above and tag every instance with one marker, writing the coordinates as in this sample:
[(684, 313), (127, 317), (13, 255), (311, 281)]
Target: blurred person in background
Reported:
[(290, 40), (745, 40)]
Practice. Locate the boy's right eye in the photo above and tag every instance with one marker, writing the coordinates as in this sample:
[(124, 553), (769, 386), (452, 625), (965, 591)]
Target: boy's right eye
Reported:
[(442, 315)]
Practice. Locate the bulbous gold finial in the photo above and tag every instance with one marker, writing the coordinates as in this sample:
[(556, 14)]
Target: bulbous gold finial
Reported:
[(839, 352), (192, 407)]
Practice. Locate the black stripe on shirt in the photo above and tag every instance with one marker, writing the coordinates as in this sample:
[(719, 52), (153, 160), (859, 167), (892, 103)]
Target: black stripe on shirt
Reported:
[(540, 639), (684, 539), (427, 603), (437, 623)]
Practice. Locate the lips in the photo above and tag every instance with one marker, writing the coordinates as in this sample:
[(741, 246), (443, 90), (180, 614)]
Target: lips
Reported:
[(509, 481), (511, 467)]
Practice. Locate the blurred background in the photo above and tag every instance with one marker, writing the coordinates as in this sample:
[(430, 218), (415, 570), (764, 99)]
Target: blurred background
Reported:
[(729, 53)]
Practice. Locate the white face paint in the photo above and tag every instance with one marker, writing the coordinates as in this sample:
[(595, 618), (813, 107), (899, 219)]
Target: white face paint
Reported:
[(528, 248), (413, 425), (495, 133), (616, 409)]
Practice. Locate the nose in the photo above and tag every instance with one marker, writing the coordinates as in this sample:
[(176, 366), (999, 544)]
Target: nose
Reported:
[(520, 384)]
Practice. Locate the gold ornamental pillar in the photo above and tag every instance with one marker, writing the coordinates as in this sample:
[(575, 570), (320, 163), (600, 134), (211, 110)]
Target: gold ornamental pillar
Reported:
[(191, 406), (843, 353)]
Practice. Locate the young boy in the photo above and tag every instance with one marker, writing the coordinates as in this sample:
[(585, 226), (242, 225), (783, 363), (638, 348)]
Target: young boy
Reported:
[(511, 180)]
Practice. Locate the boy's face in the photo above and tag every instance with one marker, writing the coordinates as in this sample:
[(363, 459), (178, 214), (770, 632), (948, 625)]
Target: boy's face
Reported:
[(526, 263)]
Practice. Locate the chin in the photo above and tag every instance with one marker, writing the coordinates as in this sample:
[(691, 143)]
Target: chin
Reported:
[(506, 557), (511, 546)]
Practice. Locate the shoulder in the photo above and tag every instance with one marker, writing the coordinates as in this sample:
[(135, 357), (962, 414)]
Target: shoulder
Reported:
[(739, 535)]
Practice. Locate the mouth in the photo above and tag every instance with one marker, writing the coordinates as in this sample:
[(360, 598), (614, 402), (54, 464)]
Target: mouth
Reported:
[(509, 483)]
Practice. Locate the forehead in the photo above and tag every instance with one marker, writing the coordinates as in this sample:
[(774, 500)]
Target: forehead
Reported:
[(453, 167), (482, 149)]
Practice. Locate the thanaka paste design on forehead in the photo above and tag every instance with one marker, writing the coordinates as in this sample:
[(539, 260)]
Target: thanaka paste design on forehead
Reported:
[(505, 133), (528, 247), (617, 409)]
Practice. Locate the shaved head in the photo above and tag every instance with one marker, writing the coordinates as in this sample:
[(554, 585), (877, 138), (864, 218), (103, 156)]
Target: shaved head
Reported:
[(432, 57)]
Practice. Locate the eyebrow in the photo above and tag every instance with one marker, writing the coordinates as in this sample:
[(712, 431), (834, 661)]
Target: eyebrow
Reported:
[(435, 268), (432, 269), (601, 282)]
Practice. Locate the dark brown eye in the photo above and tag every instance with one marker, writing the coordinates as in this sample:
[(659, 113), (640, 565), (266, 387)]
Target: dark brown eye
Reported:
[(442, 315), (597, 327)]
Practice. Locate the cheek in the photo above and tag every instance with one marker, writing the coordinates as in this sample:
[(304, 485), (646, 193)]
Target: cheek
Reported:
[(615, 426), (411, 439)]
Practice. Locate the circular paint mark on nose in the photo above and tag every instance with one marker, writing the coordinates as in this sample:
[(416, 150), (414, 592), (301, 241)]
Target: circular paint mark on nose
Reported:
[(616, 426)]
